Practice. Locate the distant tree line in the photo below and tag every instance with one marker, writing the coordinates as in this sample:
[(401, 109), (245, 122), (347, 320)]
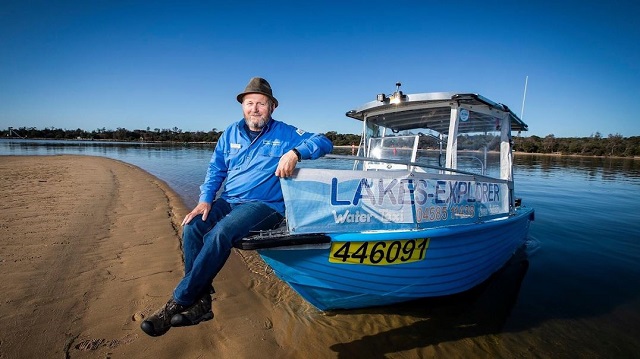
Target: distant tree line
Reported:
[(156, 135), (595, 145), (119, 134)]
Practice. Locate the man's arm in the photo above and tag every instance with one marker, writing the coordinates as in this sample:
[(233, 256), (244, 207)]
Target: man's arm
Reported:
[(315, 146)]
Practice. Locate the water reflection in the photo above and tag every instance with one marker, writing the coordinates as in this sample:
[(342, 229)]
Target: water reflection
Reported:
[(592, 168), (480, 311), (40, 147)]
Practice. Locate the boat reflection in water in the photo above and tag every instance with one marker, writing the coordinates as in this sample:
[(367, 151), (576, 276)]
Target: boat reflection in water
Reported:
[(480, 311)]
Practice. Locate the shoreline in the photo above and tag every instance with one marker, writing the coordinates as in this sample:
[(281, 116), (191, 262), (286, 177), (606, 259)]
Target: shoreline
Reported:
[(343, 147), (90, 247)]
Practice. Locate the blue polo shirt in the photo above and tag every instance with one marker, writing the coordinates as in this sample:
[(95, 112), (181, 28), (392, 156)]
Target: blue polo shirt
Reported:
[(249, 166)]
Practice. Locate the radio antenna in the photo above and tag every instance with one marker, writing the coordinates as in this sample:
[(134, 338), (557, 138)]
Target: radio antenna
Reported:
[(526, 80)]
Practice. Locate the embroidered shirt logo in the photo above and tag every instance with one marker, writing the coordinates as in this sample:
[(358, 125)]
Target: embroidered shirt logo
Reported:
[(275, 142)]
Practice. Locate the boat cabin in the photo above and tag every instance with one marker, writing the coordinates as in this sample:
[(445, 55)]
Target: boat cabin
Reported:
[(425, 160), (443, 132)]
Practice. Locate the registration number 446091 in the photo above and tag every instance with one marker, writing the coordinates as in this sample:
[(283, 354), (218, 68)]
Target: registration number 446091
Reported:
[(379, 252)]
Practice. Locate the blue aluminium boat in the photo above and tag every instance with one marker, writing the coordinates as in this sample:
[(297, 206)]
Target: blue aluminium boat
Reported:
[(428, 209)]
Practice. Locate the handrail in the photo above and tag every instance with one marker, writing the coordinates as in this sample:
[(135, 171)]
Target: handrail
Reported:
[(482, 164), (415, 164)]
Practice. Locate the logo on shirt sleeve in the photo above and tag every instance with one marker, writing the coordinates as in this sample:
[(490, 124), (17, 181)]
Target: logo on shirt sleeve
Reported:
[(299, 132)]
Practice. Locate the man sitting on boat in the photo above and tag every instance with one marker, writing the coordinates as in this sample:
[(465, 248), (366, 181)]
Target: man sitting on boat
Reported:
[(251, 155)]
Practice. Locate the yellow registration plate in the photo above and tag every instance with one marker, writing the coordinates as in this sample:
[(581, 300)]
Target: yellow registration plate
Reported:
[(379, 252)]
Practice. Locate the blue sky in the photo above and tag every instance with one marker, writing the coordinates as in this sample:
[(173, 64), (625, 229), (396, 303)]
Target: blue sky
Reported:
[(135, 64)]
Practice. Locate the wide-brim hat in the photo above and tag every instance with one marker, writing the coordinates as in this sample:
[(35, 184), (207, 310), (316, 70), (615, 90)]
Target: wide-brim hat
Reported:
[(258, 85)]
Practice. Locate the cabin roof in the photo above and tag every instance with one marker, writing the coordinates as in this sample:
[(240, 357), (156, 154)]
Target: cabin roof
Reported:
[(433, 110)]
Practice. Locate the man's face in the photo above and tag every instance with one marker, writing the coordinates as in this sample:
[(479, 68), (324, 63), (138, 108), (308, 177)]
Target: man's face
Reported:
[(257, 109)]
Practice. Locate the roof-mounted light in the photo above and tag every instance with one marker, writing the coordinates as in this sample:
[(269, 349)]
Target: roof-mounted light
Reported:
[(394, 98), (397, 96)]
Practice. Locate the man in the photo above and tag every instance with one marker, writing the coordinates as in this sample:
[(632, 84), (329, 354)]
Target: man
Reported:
[(251, 155)]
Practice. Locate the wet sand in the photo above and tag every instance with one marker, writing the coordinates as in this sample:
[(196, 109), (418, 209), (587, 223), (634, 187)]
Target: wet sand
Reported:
[(90, 245)]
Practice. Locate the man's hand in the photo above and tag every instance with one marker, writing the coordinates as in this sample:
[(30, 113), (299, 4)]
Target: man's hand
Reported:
[(287, 164), (202, 208)]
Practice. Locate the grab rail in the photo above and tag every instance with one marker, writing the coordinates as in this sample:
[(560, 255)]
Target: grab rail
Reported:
[(415, 164)]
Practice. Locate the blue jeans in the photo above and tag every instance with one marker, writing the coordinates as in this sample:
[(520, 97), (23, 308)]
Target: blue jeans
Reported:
[(206, 245)]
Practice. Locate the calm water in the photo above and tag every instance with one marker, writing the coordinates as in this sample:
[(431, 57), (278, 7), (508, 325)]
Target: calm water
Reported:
[(579, 290)]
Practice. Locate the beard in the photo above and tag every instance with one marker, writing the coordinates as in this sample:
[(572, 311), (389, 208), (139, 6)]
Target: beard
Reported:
[(256, 122)]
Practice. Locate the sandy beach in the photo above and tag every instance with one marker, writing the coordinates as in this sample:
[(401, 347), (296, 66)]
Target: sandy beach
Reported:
[(89, 247)]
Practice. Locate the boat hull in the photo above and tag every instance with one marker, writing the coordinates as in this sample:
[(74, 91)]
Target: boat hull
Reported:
[(458, 258)]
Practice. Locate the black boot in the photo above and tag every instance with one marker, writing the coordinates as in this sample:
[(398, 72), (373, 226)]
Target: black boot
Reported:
[(200, 311), (160, 322)]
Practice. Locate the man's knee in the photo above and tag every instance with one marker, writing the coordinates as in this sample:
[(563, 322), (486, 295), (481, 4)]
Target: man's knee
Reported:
[(197, 227)]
